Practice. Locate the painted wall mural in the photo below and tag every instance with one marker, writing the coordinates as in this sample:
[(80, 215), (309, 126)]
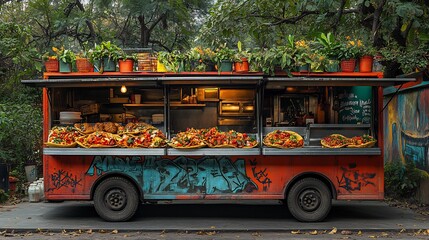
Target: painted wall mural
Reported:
[(207, 175), (406, 128)]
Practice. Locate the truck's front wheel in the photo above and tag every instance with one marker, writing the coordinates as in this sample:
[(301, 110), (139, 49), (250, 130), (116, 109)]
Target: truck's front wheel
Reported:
[(116, 199), (309, 200)]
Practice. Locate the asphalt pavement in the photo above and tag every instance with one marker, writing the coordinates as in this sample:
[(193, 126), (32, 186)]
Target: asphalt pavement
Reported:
[(202, 216)]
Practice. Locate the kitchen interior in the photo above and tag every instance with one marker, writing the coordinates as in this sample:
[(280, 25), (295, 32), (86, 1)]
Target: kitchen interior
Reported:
[(197, 107)]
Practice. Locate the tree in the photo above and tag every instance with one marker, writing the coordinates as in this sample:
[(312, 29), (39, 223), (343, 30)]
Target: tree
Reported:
[(268, 21), (165, 23)]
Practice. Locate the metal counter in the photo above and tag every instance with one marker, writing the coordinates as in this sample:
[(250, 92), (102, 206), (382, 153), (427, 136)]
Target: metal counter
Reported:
[(214, 152), (305, 151), (104, 151), (308, 151)]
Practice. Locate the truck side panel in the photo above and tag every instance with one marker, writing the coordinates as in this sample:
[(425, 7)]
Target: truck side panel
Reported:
[(213, 177)]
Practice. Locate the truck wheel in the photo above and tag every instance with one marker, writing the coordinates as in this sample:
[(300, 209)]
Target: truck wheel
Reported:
[(116, 199), (309, 200)]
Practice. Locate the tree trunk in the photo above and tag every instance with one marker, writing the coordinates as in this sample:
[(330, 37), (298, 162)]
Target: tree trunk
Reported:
[(144, 32)]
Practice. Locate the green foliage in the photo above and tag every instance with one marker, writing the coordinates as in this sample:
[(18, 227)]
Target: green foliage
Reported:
[(174, 61), (20, 133), (330, 48), (104, 50), (3, 196), (65, 55), (349, 50), (402, 180), (223, 53)]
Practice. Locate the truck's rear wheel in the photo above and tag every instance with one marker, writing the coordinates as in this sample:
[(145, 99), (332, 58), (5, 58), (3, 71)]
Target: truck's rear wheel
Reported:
[(309, 200), (116, 199)]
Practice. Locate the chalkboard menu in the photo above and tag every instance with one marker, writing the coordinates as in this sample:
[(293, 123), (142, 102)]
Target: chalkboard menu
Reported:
[(354, 105)]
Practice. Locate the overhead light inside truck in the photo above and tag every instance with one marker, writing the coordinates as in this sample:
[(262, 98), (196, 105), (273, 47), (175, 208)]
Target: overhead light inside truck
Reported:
[(123, 89)]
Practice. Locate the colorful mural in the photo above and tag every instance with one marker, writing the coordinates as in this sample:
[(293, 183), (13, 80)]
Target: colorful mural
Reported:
[(406, 127), (207, 175)]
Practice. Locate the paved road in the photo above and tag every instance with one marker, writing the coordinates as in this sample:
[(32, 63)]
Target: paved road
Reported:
[(252, 216)]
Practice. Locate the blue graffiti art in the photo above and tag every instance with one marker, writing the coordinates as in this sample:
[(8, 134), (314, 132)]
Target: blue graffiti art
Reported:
[(207, 175)]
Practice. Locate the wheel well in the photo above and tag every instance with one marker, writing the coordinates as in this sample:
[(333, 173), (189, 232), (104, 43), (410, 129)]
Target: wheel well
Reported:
[(116, 174), (316, 175)]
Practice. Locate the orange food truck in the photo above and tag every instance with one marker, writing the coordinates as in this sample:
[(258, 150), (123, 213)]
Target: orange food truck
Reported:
[(121, 139)]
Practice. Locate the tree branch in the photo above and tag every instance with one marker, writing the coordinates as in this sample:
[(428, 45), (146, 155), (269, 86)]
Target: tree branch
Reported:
[(340, 14), (376, 22), (160, 44), (157, 21)]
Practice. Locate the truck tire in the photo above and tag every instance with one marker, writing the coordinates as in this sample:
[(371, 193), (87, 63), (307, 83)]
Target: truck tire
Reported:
[(309, 200), (116, 199)]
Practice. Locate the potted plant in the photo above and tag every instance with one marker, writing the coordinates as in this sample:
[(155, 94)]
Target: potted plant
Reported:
[(173, 61), (366, 56), (331, 50), (318, 61), (104, 56), (126, 62), (224, 58), (162, 61), (278, 59), (82, 61), (348, 53), (241, 63), (209, 59), (302, 54), (195, 57), (51, 62), (65, 57), (256, 59)]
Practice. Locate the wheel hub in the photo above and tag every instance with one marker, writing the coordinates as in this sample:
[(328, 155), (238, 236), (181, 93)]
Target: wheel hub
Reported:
[(116, 199), (309, 200)]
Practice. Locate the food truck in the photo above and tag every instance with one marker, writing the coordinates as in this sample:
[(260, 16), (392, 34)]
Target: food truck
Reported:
[(212, 136)]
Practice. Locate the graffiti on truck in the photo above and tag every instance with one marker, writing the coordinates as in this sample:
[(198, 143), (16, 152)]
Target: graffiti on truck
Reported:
[(207, 175), (129, 165), (407, 128), (261, 175), (352, 180), (63, 178)]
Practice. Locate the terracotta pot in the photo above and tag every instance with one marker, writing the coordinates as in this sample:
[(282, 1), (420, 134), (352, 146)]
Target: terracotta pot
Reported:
[(126, 65), (348, 65), (365, 63), (242, 66), (83, 65), (52, 65)]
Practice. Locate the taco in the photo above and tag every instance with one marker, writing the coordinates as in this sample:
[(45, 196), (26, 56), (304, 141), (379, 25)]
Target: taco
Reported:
[(365, 141), (231, 139), (191, 138), (335, 141), (97, 140), (283, 139), (63, 137), (134, 128), (84, 128), (150, 138)]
